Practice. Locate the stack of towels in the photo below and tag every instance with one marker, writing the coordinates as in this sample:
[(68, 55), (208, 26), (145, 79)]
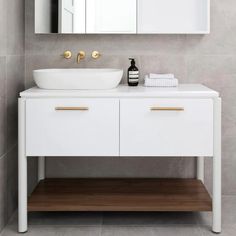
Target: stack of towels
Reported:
[(160, 80)]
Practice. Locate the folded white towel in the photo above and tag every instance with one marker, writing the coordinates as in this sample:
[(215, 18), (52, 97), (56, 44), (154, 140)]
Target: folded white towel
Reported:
[(161, 76), (161, 82)]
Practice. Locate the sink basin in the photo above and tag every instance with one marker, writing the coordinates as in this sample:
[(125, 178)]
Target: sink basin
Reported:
[(77, 78)]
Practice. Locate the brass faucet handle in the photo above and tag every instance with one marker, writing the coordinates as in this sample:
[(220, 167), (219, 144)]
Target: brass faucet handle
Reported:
[(96, 54), (67, 54)]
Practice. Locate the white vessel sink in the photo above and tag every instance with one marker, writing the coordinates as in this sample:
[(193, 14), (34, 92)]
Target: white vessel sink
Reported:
[(77, 78)]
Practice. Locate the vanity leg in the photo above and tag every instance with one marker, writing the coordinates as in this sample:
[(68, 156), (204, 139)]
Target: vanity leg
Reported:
[(216, 198), (200, 168), (22, 170), (41, 168)]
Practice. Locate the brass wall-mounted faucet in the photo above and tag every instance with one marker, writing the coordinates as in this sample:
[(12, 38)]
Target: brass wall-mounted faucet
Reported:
[(80, 56)]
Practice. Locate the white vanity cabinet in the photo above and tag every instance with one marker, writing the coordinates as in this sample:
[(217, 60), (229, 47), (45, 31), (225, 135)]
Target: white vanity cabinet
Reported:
[(166, 127), (72, 127), (111, 16), (122, 122)]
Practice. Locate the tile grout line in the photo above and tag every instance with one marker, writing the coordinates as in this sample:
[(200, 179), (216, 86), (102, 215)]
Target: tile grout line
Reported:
[(9, 150)]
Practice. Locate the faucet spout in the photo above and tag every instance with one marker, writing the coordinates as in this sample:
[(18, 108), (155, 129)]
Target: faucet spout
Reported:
[(80, 56)]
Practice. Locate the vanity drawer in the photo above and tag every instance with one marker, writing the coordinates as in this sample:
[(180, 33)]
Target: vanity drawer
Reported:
[(72, 127), (166, 127)]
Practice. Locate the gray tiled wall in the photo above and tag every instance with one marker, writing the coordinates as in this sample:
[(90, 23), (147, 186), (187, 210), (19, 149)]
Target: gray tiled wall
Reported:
[(209, 59), (11, 82)]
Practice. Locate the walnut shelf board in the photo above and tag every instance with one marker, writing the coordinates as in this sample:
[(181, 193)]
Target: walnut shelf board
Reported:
[(120, 195)]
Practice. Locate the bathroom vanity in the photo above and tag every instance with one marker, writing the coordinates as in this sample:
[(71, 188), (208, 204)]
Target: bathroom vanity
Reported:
[(122, 122)]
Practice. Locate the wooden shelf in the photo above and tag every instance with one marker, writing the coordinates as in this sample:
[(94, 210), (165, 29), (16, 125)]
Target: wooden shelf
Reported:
[(120, 195)]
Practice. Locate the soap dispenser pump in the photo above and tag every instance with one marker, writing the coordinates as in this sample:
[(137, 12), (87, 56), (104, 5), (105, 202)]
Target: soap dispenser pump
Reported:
[(133, 74)]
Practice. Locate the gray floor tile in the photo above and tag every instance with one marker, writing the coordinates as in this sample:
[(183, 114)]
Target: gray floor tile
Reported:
[(127, 231), (11, 230), (80, 231), (66, 218), (149, 218), (151, 231), (61, 218), (36, 230), (229, 230)]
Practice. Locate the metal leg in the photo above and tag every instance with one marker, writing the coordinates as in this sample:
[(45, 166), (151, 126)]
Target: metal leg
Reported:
[(22, 171), (200, 168), (41, 168), (216, 198)]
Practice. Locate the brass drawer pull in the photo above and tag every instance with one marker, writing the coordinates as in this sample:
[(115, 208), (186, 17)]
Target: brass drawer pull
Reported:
[(167, 109), (71, 108)]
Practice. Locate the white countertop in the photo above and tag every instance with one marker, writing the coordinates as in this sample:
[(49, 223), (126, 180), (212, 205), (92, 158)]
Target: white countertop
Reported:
[(124, 91)]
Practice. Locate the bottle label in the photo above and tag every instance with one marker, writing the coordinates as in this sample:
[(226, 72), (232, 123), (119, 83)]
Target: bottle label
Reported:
[(133, 72), (133, 76), (133, 80)]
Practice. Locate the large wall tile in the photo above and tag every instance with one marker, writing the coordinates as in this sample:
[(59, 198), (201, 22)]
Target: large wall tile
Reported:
[(3, 143), (120, 167), (210, 69), (228, 147), (229, 176), (3, 195), (2, 105), (164, 64), (2, 76), (15, 84), (107, 44), (11, 82), (3, 27), (12, 181), (15, 27), (32, 173)]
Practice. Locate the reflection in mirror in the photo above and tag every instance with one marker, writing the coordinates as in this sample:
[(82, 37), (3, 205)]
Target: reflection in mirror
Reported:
[(111, 16), (122, 16), (59, 16)]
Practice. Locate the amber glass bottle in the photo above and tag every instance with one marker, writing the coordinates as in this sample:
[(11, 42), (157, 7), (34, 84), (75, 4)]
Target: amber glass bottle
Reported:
[(133, 74)]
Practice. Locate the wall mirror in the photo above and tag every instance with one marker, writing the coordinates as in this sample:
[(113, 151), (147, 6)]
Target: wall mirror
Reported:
[(122, 16)]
